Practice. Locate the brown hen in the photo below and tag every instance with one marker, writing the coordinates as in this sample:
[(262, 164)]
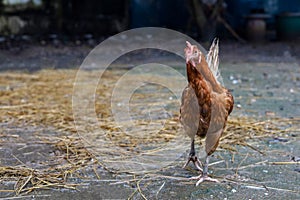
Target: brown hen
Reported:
[(205, 104)]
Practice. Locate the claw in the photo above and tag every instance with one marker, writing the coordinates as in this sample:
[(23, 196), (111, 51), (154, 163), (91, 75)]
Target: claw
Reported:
[(203, 178), (196, 162)]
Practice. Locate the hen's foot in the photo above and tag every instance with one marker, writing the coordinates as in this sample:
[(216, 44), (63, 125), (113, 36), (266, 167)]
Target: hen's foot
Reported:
[(204, 177), (196, 162)]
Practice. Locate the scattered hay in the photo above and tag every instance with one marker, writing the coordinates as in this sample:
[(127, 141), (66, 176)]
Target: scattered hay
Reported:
[(27, 179), (45, 99), (71, 158)]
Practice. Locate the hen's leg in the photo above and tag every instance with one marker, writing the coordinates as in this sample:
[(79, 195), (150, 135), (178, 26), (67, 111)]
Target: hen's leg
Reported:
[(193, 157), (204, 176)]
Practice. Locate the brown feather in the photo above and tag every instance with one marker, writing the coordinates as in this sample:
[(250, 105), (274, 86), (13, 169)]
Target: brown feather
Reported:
[(206, 104)]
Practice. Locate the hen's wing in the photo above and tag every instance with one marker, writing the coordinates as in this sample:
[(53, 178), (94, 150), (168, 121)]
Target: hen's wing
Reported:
[(222, 105), (189, 111), (195, 110)]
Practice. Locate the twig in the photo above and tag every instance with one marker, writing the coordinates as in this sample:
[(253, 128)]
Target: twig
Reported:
[(251, 147), (24, 184), (132, 194), (124, 181), (170, 177), (253, 165), (215, 163), (255, 186), (232, 157), (18, 160), (160, 189), (15, 106), (26, 197), (236, 171), (285, 163), (139, 189), (7, 190), (95, 171)]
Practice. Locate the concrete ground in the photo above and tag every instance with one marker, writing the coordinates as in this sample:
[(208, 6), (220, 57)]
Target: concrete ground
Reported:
[(265, 80)]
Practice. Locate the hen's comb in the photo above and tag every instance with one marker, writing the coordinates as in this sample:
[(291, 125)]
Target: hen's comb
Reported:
[(188, 44)]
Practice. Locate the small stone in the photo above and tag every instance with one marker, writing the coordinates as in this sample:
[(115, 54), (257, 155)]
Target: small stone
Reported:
[(280, 107), (265, 74), (235, 81), (297, 170), (257, 94), (270, 113), (295, 158)]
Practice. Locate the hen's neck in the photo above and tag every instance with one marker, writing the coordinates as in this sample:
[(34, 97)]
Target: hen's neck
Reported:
[(204, 70)]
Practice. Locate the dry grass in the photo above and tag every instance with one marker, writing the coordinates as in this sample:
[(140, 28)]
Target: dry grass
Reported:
[(45, 99)]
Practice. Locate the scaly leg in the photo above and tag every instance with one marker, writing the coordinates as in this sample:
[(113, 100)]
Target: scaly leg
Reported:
[(204, 176), (193, 157)]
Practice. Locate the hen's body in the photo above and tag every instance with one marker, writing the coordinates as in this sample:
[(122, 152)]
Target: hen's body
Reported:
[(206, 104)]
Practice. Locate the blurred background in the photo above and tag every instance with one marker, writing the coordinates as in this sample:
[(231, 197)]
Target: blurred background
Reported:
[(75, 21)]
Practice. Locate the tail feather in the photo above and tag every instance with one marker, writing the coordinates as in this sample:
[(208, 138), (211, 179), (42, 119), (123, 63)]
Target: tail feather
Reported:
[(212, 59)]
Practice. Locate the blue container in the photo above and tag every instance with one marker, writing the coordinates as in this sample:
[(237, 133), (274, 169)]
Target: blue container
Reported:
[(238, 9), (288, 26)]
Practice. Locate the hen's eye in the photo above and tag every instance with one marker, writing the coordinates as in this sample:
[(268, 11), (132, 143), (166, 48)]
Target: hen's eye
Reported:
[(195, 51)]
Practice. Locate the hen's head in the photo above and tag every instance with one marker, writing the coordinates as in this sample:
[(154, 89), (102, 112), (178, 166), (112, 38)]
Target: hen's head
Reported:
[(192, 54)]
